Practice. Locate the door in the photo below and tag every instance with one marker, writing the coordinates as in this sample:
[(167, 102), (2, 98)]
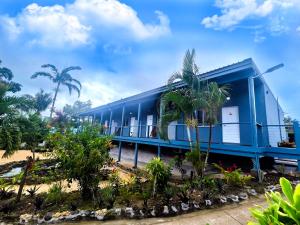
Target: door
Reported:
[(172, 130), (133, 127), (230, 124), (149, 126), (113, 127)]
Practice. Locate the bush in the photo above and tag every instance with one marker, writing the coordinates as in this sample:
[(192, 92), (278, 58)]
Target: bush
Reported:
[(108, 196), (55, 194), (234, 176), (160, 173), (196, 158), (280, 210), (82, 155)]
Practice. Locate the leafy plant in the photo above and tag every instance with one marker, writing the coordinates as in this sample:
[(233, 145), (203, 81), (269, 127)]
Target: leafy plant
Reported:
[(169, 192), (160, 174), (281, 210), (5, 189), (55, 193), (108, 196), (196, 158), (234, 175), (32, 191), (82, 155), (38, 202)]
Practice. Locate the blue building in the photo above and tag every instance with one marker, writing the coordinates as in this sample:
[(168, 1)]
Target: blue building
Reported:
[(250, 123)]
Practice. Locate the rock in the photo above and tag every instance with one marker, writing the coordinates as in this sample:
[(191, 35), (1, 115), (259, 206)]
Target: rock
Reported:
[(174, 209), (53, 221), (73, 217), (166, 210), (243, 196), (208, 202), (252, 192), (184, 206), (233, 198), (99, 214), (48, 216), (141, 213), (84, 213), (153, 212), (196, 205), (40, 221), (223, 199), (129, 211), (118, 211), (25, 218), (270, 188), (59, 214)]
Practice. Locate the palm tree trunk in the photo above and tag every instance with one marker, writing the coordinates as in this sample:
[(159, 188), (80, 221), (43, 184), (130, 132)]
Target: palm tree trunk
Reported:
[(28, 166), (209, 145), (54, 100), (189, 137)]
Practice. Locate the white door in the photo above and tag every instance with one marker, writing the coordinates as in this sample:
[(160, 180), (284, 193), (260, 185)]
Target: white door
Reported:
[(133, 127), (113, 126), (172, 130), (230, 124), (149, 125)]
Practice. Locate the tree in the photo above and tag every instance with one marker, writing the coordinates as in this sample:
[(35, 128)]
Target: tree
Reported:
[(213, 98), (6, 77), (62, 78), (42, 101), (82, 155), (184, 99), (76, 108)]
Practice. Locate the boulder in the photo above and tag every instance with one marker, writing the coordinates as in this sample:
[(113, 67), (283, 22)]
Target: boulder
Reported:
[(243, 196), (25, 218), (208, 202), (252, 192), (166, 210), (129, 212), (223, 199), (233, 198), (174, 209), (48, 216), (184, 206)]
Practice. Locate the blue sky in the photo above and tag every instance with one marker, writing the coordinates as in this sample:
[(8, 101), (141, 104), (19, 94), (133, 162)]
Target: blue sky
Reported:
[(126, 47)]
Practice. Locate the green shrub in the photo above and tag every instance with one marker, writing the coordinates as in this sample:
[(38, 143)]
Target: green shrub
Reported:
[(160, 173), (108, 196), (281, 210), (55, 194), (196, 158), (234, 176), (82, 155)]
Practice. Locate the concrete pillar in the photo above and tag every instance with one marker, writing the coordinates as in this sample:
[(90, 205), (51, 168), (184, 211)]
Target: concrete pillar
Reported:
[(121, 134), (138, 135), (252, 111)]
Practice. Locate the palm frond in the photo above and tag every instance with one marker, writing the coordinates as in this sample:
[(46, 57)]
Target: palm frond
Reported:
[(52, 67), (77, 82), (72, 87), (42, 74), (174, 76), (66, 70), (6, 73)]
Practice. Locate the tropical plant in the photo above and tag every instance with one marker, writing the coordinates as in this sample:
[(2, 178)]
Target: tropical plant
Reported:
[(281, 210), (42, 101), (76, 108), (55, 193), (62, 78), (82, 155), (160, 173), (6, 77), (213, 97), (234, 175), (108, 196), (196, 158)]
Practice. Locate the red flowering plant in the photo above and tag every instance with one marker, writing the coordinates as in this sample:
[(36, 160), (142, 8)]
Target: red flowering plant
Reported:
[(234, 175)]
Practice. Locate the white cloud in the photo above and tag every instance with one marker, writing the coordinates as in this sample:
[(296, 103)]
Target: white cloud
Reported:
[(298, 29), (81, 22), (234, 12)]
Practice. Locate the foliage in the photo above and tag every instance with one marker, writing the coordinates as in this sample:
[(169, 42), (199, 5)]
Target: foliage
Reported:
[(160, 174), (169, 192), (76, 108), (234, 175), (108, 196), (42, 101), (5, 189), (60, 78), (178, 163), (6, 77), (55, 193), (32, 191), (82, 155), (281, 210), (196, 158)]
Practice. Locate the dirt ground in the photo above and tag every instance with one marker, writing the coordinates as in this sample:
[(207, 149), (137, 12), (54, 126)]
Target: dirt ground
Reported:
[(19, 156)]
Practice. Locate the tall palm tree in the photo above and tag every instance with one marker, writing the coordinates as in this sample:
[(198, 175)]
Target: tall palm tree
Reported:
[(60, 78), (213, 98), (189, 75), (6, 77)]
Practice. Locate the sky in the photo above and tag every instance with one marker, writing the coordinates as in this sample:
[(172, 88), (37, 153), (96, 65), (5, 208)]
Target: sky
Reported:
[(127, 47)]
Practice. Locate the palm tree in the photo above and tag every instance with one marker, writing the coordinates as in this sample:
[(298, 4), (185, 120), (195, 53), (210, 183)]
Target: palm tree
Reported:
[(42, 101), (6, 77), (60, 78), (187, 99), (213, 98)]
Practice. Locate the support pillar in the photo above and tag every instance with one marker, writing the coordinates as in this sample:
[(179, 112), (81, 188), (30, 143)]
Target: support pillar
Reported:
[(110, 119), (138, 135), (101, 118), (121, 134), (296, 127), (158, 151), (252, 111)]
